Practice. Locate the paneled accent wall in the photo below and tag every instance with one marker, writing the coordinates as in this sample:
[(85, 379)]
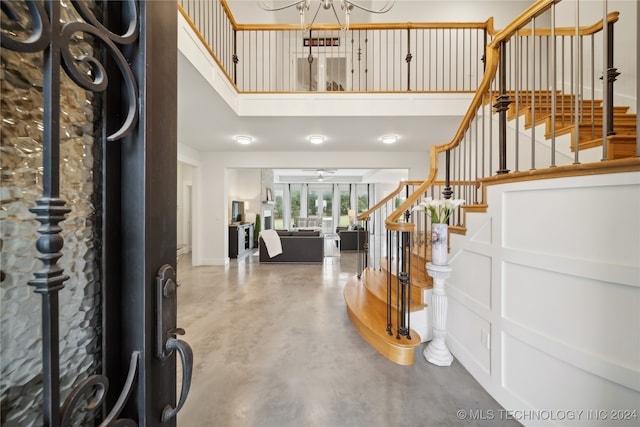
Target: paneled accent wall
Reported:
[(544, 298)]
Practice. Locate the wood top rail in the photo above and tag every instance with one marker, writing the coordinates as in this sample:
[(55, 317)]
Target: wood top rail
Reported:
[(612, 17), (488, 25), (227, 12), (365, 216), (206, 45)]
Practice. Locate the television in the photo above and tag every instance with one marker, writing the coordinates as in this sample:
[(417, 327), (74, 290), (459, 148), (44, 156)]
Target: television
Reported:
[(237, 211)]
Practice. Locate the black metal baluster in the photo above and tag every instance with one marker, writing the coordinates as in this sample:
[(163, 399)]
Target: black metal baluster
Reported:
[(389, 249), (235, 57), (447, 192), (408, 59), (612, 74), (501, 106)]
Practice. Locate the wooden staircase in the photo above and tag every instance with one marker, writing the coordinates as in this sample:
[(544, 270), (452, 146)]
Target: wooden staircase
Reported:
[(366, 300), (620, 145)]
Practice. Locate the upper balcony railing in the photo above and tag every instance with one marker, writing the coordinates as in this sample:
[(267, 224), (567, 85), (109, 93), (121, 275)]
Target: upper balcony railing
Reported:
[(399, 57)]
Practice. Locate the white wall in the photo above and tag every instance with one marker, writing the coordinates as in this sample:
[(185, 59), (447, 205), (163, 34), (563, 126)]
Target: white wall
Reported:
[(246, 187), (544, 298), (625, 37)]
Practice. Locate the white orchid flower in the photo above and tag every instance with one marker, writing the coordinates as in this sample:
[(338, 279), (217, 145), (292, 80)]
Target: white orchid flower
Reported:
[(438, 209), (423, 205)]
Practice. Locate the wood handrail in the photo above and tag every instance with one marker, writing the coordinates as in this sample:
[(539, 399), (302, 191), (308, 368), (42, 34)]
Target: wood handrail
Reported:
[(612, 17), (227, 11), (488, 25), (206, 45), (364, 216)]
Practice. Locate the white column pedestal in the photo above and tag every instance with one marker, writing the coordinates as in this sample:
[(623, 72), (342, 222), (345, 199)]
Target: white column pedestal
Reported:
[(436, 351)]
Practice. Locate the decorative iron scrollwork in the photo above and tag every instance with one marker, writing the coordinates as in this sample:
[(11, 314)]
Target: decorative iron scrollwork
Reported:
[(54, 39), (101, 384), (44, 35)]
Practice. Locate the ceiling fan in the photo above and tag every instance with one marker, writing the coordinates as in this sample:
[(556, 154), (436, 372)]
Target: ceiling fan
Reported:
[(321, 170), (321, 173)]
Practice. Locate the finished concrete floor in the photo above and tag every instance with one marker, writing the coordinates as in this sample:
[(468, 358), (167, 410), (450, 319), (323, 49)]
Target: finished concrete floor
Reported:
[(273, 346)]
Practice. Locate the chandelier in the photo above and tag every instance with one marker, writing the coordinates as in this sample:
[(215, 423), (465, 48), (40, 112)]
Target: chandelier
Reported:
[(346, 5)]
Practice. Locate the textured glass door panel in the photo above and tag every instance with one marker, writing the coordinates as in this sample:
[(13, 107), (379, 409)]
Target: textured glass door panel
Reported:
[(21, 167)]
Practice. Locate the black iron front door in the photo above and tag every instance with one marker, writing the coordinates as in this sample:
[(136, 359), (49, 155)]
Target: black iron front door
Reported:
[(89, 171)]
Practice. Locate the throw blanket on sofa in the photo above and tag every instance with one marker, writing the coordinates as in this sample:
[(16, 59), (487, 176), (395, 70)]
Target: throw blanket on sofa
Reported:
[(272, 242)]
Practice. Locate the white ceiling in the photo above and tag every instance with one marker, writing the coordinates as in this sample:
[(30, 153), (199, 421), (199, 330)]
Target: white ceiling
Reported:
[(207, 124)]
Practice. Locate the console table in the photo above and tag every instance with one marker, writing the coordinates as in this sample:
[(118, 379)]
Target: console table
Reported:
[(240, 239)]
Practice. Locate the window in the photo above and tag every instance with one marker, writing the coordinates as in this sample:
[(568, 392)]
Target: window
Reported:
[(320, 201), (295, 197), (278, 208), (345, 204), (362, 191)]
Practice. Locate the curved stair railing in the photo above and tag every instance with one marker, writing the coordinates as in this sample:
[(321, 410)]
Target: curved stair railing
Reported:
[(525, 76)]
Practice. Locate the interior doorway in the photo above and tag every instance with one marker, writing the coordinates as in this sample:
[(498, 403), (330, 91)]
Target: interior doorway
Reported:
[(184, 224)]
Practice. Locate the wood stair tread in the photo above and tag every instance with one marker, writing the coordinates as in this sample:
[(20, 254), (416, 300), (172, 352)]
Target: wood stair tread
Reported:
[(543, 111), (376, 283), (368, 315), (418, 272), (624, 124), (618, 146), (563, 120), (585, 130)]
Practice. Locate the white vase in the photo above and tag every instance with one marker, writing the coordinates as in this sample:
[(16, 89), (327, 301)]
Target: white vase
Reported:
[(439, 244)]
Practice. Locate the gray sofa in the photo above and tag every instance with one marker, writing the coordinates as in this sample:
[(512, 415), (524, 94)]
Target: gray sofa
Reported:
[(352, 240), (301, 246)]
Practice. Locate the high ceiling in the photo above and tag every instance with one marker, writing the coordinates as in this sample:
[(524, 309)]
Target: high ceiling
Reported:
[(208, 124)]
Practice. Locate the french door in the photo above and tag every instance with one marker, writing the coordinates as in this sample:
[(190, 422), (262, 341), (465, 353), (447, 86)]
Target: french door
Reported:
[(88, 217), (326, 72)]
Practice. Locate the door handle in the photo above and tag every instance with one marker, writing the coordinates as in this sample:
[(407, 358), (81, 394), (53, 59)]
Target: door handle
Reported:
[(166, 334), (186, 356)]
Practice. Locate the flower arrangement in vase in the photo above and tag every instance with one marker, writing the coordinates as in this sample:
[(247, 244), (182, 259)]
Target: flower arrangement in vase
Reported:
[(440, 211)]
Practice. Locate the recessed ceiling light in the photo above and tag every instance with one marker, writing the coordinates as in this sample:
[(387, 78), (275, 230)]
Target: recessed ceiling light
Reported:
[(316, 139), (243, 139), (389, 139)]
